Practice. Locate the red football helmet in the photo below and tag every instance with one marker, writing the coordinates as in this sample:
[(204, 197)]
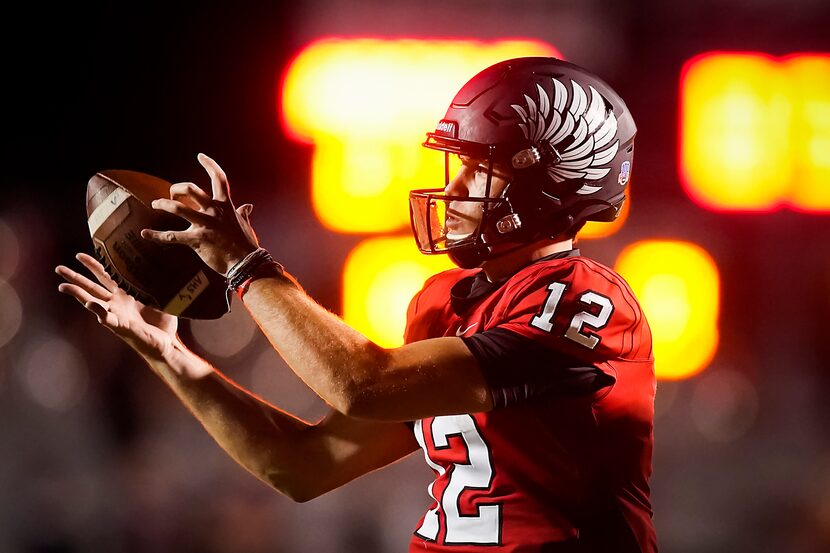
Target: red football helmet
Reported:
[(567, 138)]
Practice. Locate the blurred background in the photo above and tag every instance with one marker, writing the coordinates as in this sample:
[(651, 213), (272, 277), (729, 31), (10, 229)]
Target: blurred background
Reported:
[(315, 110)]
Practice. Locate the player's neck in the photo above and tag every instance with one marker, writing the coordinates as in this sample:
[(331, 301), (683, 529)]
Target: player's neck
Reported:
[(503, 266)]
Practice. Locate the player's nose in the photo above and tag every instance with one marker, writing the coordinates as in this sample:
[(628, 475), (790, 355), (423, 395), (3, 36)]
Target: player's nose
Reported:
[(459, 185)]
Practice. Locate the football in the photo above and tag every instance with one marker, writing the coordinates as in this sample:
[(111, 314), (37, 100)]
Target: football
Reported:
[(170, 277)]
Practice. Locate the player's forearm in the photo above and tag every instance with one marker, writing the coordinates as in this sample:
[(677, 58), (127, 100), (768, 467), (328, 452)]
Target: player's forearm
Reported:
[(337, 362), (260, 437), (356, 376)]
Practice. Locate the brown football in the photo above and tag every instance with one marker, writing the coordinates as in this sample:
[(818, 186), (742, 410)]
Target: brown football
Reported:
[(170, 277)]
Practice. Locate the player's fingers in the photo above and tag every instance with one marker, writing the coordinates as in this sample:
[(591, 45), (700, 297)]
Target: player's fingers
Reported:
[(190, 194), (78, 279), (218, 179), (245, 210), (104, 316), (98, 270), (169, 236), (178, 208), (77, 292)]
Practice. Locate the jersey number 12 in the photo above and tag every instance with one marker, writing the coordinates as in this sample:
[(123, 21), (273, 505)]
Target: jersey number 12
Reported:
[(481, 524), (542, 321)]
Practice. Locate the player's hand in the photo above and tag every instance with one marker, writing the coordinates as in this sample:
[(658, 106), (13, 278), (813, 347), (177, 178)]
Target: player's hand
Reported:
[(220, 233), (145, 329)]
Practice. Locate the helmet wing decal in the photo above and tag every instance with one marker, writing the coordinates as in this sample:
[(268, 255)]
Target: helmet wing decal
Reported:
[(589, 124)]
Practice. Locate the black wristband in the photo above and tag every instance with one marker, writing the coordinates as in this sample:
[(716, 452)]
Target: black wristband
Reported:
[(251, 265), (268, 269)]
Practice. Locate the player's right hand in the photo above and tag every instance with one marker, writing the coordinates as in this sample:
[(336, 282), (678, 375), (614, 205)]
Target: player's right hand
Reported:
[(147, 330)]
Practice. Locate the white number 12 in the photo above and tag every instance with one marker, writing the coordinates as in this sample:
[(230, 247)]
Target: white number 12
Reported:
[(483, 527), (542, 321)]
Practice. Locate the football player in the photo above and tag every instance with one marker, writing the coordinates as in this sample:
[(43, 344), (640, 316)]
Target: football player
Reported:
[(527, 376)]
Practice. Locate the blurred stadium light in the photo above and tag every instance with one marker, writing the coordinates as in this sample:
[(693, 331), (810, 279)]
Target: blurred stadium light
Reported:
[(366, 105), (9, 251), (54, 373), (755, 131), (227, 336), (11, 313), (678, 286), (381, 276), (724, 405)]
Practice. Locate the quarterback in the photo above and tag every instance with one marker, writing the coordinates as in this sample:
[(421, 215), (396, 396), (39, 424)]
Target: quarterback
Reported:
[(527, 374)]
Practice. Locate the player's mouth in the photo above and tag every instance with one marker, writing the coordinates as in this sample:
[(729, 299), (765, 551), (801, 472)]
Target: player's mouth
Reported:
[(458, 226), (457, 219)]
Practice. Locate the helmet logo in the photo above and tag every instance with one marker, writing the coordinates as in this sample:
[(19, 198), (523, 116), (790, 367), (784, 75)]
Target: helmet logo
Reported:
[(447, 128), (590, 126), (625, 171)]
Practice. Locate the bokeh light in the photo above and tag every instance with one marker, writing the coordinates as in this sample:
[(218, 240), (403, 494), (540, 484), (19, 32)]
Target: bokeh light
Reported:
[(55, 374), (227, 336), (9, 251), (272, 380), (11, 313), (678, 286), (755, 131), (810, 88), (724, 405), (366, 104), (666, 397), (380, 277)]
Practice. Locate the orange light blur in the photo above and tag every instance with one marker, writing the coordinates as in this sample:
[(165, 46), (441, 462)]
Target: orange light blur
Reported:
[(810, 85), (366, 105), (755, 130), (380, 278), (678, 286)]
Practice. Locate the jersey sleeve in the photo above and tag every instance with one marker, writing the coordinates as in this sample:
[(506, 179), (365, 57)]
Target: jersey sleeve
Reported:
[(581, 309), (427, 309), (518, 369)]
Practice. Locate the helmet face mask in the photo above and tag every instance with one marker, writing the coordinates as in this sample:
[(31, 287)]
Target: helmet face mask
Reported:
[(455, 224), (567, 138), (442, 222)]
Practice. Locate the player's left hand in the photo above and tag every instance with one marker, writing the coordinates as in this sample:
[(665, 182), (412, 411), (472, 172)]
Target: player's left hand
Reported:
[(221, 234)]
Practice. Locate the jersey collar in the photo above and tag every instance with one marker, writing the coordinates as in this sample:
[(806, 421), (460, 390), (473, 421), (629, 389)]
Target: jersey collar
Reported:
[(469, 290)]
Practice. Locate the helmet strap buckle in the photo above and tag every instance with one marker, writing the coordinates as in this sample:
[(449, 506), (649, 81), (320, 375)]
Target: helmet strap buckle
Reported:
[(533, 155), (508, 223), (525, 158)]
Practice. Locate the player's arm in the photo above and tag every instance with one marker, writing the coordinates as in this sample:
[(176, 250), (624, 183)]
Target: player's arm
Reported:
[(344, 368), (356, 376), (299, 459)]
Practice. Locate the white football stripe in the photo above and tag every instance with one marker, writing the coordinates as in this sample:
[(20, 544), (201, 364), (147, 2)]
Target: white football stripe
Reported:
[(106, 208)]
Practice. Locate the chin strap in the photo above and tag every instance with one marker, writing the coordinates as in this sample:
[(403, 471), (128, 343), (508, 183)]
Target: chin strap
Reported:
[(469, 257), (473, 256)]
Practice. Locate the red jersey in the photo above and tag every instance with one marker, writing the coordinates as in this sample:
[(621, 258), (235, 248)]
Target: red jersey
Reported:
[(554, 468)]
